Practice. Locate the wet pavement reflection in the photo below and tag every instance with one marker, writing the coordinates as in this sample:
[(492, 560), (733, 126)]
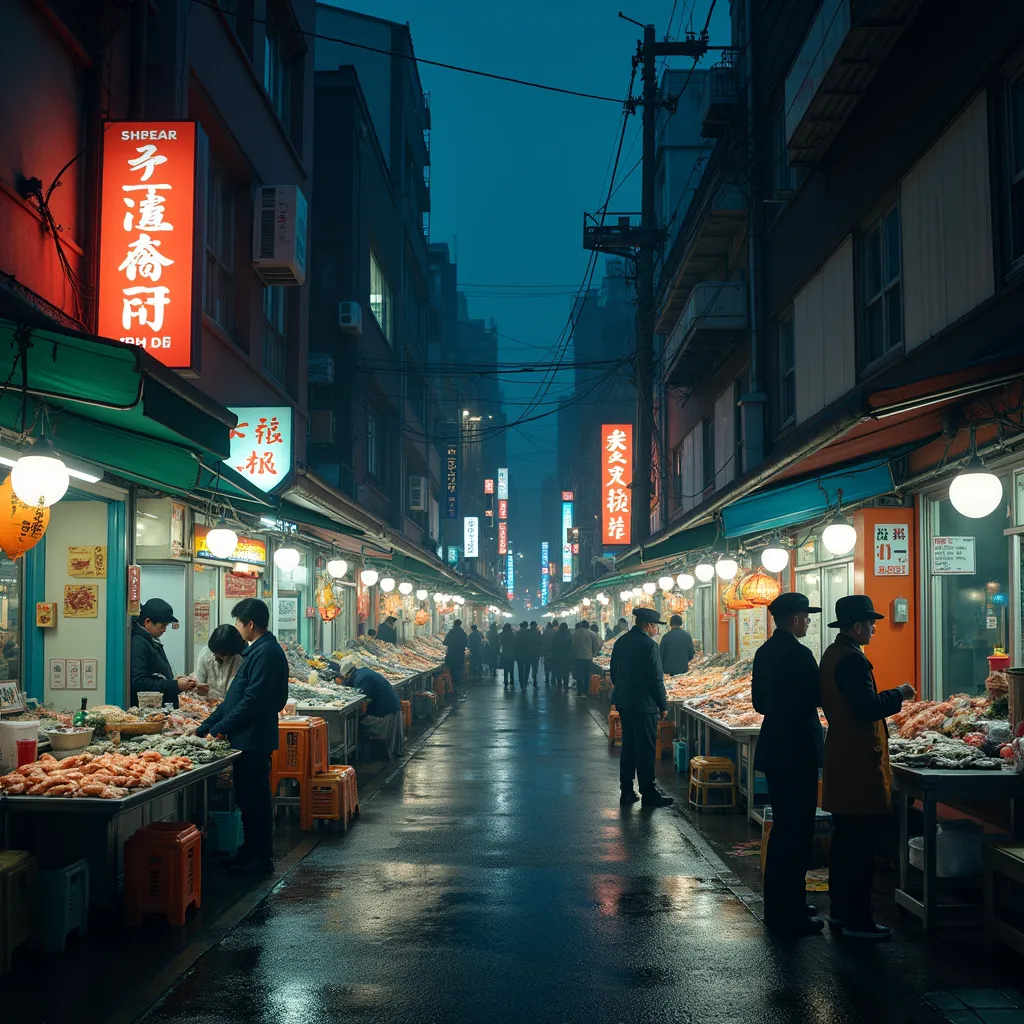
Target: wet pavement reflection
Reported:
[(496, 879)]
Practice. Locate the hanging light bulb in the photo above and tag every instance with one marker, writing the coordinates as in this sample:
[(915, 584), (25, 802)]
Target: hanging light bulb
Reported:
[(438, 598), (387, 584), (705, 572), (684, 581), (625, 595), (287, 559), (421, 595), (460, 601), (726, 567), (839, 537), (337, 567), (666, 583), (221, 541), (775, 558), (586, 602), (650, 587), (39, 478), (405, 588), (368, 577), (636, 592), (974, 492), (605, 600)]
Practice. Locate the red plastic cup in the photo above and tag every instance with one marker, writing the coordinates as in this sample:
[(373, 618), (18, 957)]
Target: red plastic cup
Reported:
[(27, 750)]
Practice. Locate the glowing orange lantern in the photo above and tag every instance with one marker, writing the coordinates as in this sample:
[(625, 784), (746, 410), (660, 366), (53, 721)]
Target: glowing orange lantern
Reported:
[(759, 588), (422, 617), (21, 526), (733, 599)]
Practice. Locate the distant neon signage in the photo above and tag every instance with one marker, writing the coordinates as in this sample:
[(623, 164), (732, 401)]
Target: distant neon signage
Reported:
[(566, 545)]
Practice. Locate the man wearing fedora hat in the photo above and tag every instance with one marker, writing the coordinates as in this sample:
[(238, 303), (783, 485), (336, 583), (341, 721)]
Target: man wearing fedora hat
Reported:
[(856, 784), (789, 752), (639, 697)]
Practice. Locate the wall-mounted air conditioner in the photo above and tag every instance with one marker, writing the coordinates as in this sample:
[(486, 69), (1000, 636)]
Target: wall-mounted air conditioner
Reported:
[(279, 234), (350, 317)]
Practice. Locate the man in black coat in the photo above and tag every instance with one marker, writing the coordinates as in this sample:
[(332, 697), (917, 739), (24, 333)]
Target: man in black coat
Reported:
[(456, 643), (151, 671), (787, 692), (676, 648), (639, 697), (536, 650), (387, 632), (248, 719)]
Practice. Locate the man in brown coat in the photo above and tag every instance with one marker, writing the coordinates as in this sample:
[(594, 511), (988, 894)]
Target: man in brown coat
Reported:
[(856, 783)]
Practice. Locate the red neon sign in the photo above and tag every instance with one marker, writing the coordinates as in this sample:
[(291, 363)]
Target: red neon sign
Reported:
[(502, 508), (616, 477), (488, 486), (502, 538), (146, 237)]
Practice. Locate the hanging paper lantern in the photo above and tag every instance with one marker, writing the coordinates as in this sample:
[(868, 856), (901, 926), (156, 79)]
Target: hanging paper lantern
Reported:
[(759, 588), (422, 618), (732, 600), (326, 599), (21, 526)]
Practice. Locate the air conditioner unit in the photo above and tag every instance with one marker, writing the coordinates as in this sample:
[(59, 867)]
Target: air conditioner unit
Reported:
[(279, 234), (321, 426), (350, 317), (417, 494)]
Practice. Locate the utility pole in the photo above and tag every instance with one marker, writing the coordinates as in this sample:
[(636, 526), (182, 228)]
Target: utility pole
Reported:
[(642, 244)]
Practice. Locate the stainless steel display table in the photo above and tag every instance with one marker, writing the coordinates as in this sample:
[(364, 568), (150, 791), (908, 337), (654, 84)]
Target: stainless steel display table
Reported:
[(342, 725), (933, 787), (62, 830)]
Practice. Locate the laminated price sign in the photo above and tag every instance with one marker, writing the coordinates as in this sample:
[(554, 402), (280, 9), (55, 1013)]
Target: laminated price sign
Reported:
[(953, 556), (892, 549)]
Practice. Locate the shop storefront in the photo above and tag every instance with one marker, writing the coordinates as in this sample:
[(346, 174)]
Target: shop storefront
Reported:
[(824, 578)]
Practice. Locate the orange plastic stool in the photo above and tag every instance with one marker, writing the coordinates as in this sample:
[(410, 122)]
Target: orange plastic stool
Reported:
[(595, 685), (407, 713), (163, 871), (614, 727), (351, 793), (322, 798), (666, 734), (301, 751)]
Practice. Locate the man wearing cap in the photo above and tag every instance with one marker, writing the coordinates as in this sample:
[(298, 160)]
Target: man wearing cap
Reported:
[(856, 782), (151, 671), (639, 697), (789, 752)]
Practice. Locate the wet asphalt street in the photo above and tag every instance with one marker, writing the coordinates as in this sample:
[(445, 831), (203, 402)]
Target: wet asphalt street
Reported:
[(496, 879)]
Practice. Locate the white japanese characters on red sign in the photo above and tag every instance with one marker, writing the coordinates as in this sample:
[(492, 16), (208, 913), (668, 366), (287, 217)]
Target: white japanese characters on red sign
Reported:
[(892, 549), (261, 444), (617, 470)]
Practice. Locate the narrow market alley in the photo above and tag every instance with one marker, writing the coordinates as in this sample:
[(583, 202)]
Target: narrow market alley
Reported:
[(496, 879)]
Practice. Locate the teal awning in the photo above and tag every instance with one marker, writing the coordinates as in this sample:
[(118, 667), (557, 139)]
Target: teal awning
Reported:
[(798, 503), (299, 514), (675, 546)]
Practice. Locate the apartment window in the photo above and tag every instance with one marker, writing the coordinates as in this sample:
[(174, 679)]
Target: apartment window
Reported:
[(1016, 112), (787, 372), (708, 436), (275, 332), (372, 445), (677, 474), (219, 277), (277, 75), (882, 315), (783, 175), (381, 302)]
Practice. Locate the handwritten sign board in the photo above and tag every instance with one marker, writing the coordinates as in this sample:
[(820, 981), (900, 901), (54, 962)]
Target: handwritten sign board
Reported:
[(953, 556), (753, 631), (892, 549)]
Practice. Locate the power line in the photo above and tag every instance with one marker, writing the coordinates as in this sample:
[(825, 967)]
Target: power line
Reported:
[(214, 6)]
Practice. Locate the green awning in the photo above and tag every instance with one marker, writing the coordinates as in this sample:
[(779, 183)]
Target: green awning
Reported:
[(112, 405), (672, 547), (299, 514)]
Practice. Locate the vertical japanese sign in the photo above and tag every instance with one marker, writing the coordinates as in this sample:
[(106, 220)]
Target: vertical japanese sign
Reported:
[(510, 575), (503, 484), (262, 444), (617, 475), (502, 538), (471, 536), (566, 542), (502, 508), (451, 482), (545, 579), (147, 230), (489, 486)]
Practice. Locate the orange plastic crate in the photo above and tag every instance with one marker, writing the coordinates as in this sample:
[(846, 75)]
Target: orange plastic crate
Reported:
[(614, 727), (666, 734), (595, 685), (301, 751), (163, 871), (322, 798), (407, 713)]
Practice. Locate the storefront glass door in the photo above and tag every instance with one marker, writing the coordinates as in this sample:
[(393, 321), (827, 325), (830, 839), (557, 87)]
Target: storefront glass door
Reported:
[(823, 585)]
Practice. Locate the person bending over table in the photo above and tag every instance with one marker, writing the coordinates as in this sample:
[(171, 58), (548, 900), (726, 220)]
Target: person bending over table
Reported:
[(383, 718)]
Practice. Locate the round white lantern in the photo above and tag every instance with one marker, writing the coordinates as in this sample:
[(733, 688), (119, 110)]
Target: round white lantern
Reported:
[(287, 559), (337, 567), (221, 541), (368, 577), (39, 478), (974, 492)]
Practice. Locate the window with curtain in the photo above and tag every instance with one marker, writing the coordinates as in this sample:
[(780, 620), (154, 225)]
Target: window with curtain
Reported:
[(381, 303)]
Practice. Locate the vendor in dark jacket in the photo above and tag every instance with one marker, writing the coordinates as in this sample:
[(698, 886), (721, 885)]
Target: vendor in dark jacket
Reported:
[(248, 719), (639, 697), (676, 648), (151, 671), (786, 691), (387, 632), (383, 718)]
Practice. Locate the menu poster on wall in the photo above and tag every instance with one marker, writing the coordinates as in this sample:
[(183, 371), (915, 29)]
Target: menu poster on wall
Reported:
[(201, 621), (74, 676), (90, 674), (953, 556), (892, 549), (286, 613), (58, 672), (134, 589), (753, 631)]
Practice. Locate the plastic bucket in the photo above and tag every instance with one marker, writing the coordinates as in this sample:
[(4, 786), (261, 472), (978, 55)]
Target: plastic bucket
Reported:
[(10, 733)]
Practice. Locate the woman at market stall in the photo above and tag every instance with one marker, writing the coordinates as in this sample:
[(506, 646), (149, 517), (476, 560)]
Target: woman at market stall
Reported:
[(561, 656), (383, 718), (219, 661), (507, 656)]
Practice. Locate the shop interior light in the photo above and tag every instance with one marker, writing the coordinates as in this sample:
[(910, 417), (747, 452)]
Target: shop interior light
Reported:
[(421, 595), (650, 587), (775, 558), (974, 492), (40, 478), (684, 581), (387, 584), (705, 572), (287, 559), (337, 567), (666, 583), (368, 577), (438, 598), (405, 588), (221, 541), (727, 568)]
